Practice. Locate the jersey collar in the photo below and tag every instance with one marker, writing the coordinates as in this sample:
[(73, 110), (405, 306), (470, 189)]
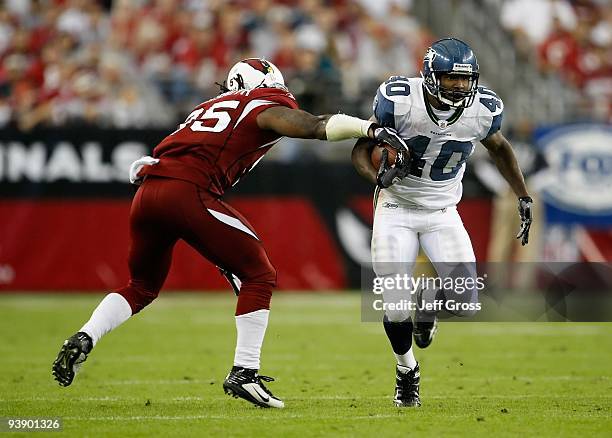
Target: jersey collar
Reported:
[(439, 122)]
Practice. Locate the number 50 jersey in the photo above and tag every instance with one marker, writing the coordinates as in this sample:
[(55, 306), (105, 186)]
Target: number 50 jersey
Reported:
[(438, 148)]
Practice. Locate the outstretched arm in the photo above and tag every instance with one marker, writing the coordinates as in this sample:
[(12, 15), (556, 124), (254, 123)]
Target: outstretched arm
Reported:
[(293, 122), (301, 124)]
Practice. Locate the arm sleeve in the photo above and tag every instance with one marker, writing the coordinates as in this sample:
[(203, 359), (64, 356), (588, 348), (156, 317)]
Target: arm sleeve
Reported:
[(492, 111), (496, 123)]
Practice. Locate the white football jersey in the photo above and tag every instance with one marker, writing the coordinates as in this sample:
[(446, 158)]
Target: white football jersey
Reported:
[(438, 148)]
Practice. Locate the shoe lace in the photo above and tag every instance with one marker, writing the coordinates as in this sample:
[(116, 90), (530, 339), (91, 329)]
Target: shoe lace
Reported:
[(261, 379), (408, 384)]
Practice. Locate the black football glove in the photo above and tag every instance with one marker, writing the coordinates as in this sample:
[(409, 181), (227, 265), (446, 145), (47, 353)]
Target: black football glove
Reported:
[(524, 208), (389, 136), (388, 175)]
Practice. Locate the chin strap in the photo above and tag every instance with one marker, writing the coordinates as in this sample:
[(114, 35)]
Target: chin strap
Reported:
[(222, 87)]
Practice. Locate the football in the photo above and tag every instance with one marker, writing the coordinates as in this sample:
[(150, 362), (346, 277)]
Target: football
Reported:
[(376, 154)]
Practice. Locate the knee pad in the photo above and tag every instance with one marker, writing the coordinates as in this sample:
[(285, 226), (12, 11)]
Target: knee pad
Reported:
[(397, 304), (269, 276)]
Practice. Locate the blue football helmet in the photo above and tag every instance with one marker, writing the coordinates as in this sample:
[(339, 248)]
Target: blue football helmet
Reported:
[(454, 57)]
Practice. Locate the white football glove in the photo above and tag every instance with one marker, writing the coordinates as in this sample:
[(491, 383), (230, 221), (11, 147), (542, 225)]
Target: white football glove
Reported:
[(137, 166)]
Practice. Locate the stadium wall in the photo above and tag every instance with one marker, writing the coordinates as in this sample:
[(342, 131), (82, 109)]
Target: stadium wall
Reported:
[(65, 199)]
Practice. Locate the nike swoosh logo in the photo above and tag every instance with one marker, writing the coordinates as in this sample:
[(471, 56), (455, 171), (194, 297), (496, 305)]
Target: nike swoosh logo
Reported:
[(257, 392), (262, 394)]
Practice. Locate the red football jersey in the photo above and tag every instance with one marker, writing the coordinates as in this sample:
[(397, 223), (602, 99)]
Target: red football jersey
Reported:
[(220, 141)]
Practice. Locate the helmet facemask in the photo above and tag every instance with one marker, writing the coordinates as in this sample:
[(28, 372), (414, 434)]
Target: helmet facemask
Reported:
[(456, 98)]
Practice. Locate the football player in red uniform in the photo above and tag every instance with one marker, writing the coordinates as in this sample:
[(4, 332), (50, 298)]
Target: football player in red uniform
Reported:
[(180, 198)]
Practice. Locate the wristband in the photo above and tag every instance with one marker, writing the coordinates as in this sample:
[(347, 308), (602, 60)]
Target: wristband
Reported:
[(341, 127)]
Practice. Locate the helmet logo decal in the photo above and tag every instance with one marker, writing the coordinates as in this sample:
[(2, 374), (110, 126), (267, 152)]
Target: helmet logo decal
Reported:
[(430, 56), (267, 66), (260, 65)]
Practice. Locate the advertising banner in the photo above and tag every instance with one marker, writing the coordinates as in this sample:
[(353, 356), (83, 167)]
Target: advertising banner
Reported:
[(577, 190), (65, 200)]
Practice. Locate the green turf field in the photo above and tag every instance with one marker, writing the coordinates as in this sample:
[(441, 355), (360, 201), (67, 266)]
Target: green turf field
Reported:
[(161, 373)]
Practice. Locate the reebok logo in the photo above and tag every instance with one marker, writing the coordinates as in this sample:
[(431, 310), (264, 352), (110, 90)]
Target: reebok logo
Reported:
[(390, 205)]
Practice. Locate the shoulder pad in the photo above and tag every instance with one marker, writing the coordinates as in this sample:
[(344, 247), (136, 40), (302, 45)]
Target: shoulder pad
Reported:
[(490, 100), (392, 99), (491, 111), (278, 95)]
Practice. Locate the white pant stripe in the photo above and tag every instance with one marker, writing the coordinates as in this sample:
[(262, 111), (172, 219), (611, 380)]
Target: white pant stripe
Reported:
[(232, 222)]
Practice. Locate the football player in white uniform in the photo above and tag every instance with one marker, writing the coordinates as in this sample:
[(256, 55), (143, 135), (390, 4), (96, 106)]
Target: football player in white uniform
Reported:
[(440, 116)]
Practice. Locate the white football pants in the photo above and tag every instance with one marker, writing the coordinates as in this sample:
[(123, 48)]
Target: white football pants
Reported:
[(400, 230)]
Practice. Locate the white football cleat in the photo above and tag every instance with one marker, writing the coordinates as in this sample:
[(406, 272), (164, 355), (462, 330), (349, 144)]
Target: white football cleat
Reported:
[(247, 384)]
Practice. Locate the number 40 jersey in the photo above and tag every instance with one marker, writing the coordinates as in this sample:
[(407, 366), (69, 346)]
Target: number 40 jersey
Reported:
[(438, 148)]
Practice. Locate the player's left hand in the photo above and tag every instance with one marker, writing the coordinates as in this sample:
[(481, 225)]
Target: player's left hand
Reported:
[(137, 166), (388, 136), (524, 207)]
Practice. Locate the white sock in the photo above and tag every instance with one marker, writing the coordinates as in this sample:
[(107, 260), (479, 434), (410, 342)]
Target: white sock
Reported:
[(112, 311), (251, 328), (407, 359)]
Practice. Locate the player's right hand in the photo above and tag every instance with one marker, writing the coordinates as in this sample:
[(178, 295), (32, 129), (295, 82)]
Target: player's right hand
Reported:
[(388, 136), (524, 206), (389, 175)]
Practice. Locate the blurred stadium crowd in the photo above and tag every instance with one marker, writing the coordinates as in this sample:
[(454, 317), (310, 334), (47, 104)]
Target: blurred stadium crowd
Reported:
[(141, 63), (569, 38)]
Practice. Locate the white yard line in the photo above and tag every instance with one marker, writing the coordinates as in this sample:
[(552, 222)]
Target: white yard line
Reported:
[(281, 416), (305, 398), (464, 378)]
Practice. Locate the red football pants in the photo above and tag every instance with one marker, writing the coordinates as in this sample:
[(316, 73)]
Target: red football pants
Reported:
[(165, 210)]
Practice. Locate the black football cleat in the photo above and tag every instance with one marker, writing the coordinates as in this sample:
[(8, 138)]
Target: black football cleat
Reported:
[(425, 324), (407, 387), (70, 358), (247, 384)]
